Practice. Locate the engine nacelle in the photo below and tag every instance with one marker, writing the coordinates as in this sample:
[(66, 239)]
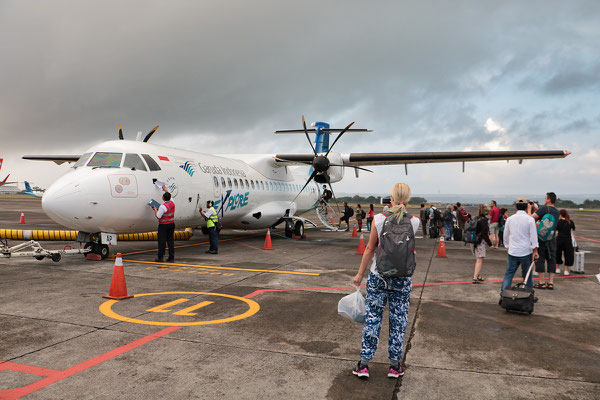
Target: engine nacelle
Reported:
[(335, 173)]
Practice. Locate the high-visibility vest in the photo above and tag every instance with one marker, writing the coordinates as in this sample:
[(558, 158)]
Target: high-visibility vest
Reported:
[(213, 219), (169, 216)]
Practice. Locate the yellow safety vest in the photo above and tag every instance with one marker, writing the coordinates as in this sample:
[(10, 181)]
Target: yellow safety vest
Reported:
[(213, 219)]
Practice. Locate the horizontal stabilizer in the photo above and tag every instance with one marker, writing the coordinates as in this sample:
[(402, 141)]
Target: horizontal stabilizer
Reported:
[(330, 130)]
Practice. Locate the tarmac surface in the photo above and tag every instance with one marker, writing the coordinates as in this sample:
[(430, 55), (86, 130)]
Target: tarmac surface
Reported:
[(250, 323)]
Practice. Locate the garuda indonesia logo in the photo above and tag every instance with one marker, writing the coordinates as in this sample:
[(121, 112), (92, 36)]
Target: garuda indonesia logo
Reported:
[(189, 168)]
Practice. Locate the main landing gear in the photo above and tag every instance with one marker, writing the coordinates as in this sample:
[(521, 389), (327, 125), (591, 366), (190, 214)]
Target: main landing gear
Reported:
[(294, 229)]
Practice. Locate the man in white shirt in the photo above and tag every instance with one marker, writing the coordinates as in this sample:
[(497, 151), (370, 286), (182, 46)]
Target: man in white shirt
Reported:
[(520, 238)]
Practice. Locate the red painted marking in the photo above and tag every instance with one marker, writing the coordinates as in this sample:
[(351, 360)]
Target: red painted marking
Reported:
[(56, 376), (522, 327), (26, 369), (257, 292), (163, 158), (584, 238)]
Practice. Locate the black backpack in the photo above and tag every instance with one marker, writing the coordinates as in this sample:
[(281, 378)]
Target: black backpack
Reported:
[(363, 214), (350, 212), (447, 216), (470, 235), (395, 256)]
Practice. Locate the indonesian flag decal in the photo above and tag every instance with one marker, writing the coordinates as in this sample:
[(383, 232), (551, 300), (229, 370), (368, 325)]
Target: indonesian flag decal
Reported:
[(163, 158)]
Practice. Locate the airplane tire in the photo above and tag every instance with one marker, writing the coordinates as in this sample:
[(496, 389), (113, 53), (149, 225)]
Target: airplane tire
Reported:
[(103, 250), (299, 228), (89, 245), (289, 228)]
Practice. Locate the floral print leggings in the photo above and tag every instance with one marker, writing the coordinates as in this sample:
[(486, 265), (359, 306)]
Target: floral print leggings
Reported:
[(379, 291)]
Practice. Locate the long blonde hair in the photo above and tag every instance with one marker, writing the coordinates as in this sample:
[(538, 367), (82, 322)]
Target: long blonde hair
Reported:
[(484, 209), (401, 194)]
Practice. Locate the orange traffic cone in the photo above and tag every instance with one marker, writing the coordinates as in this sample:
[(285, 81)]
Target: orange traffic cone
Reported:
[(268, 245), (361, 245), (441, 248), (331, 221), (354, 232), (118, 289), (22, 220)]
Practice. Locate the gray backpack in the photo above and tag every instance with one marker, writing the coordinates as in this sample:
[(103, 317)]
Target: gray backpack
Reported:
[(395, 256)]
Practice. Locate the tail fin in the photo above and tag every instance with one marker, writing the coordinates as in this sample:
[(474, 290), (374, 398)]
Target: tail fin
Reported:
[(1, 160), (28, 187)]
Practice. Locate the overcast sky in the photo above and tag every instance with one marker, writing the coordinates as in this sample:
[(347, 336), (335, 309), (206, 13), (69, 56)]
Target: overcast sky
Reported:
[(221, 76)]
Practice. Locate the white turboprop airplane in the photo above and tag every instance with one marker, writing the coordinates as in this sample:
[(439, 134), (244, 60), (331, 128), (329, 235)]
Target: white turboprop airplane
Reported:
[(108, 188)]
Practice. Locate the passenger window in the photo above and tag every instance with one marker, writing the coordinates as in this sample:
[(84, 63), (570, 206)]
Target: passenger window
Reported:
[(223, 182), (134, 161), (235, 184), (82, 160), (216, 181), (252, 184), (262, 185), (152, 165), (229, 183), (102, 159)]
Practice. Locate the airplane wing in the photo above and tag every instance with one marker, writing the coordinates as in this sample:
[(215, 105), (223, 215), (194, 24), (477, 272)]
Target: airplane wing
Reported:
[(365, 159), (59, 159)]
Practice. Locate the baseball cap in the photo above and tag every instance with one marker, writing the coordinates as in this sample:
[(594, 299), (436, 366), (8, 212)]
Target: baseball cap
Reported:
[(521, 199)]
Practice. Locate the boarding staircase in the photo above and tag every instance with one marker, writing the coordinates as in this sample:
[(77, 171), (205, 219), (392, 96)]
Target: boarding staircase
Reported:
[(325, 213)]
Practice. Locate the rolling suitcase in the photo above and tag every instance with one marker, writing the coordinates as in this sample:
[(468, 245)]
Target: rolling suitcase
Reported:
[(519, 298), (457, 234), (434, 232), (578, 266)]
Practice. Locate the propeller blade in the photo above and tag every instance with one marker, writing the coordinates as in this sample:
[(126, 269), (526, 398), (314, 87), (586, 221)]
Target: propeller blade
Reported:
[(121, 133), (305, 185), (339, 136), (307, 137), (350, 166), (150, 133)]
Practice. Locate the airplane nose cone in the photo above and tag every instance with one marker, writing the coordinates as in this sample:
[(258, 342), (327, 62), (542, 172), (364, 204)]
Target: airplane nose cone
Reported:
[(60, 201)]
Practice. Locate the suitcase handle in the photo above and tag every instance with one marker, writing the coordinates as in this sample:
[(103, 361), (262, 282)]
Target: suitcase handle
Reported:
[(528, 273)]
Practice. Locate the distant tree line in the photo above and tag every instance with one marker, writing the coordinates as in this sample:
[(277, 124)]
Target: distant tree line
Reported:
[(560, 203)]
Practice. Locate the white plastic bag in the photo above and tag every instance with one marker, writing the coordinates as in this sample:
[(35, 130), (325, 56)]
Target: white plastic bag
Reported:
[(353, 307)]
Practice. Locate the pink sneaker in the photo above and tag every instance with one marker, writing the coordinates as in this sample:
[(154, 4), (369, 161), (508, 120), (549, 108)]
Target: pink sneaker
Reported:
[(395, 373), (361, 372)]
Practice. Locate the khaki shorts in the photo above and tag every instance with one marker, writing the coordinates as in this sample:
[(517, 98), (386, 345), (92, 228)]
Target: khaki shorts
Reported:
[(494, 228)]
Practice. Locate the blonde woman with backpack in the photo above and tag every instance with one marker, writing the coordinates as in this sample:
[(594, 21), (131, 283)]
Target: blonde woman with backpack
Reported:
[(383, 286)]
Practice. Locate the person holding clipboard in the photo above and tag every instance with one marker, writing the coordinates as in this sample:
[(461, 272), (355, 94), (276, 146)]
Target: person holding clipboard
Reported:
[(165, 214)]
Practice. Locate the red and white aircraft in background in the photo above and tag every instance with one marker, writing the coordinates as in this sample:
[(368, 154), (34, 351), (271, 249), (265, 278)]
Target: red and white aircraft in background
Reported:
[(5, 181)]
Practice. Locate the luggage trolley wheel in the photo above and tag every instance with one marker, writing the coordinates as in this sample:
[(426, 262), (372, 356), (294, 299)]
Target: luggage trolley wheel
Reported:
[(55, 257), (40, 258)]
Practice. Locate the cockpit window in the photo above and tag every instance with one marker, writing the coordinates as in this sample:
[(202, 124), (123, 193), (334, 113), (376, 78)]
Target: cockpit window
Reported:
[(134, 161), (102, 159), (151, 163), (82, 160)]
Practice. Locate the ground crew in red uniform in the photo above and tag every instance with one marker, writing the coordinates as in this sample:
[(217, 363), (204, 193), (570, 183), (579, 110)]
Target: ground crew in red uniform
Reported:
[(212, 220), (166, 227)]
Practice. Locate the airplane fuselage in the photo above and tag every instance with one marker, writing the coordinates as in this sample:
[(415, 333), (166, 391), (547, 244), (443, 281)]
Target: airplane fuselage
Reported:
[(108, 190)]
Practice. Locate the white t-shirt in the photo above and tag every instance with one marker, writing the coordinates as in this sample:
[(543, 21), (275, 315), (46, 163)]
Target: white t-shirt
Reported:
[(161, 210), (378, 221)]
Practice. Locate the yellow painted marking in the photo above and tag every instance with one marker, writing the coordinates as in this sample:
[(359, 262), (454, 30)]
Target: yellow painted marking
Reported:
[(253, 307), (227, 268), (163, 307), (188, 311)]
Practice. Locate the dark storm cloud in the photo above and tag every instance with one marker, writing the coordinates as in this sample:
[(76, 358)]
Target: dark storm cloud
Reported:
[(424, 75)]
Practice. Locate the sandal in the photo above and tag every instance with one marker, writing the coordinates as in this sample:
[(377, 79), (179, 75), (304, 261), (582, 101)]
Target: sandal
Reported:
[(540, 285), (550, 286), (475, 281), (480, 278)]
